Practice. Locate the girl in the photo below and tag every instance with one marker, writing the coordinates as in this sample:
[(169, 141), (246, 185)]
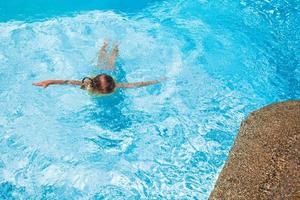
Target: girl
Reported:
[(102, 83)]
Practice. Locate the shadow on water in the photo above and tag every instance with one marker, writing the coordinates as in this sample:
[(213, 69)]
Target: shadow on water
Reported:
[(106, 111)]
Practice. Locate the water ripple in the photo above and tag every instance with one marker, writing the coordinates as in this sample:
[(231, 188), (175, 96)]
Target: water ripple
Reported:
[(223, 59)]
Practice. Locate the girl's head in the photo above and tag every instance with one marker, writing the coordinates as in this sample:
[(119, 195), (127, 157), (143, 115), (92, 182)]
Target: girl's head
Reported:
[(103, 84)]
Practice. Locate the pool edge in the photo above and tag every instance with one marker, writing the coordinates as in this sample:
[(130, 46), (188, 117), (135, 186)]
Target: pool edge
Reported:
[(264, 160)]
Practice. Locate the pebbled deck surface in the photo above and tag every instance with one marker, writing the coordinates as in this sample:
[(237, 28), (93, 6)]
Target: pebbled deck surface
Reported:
[(264, 162)]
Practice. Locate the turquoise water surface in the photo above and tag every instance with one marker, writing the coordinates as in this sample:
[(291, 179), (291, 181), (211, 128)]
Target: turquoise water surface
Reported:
[(223, 59)]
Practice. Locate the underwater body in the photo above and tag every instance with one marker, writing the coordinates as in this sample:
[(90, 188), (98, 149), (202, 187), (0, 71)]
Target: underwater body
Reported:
[(222, 60)]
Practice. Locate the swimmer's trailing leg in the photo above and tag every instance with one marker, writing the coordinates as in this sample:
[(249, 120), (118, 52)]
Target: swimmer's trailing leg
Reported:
[(102, 60), (113, 57)]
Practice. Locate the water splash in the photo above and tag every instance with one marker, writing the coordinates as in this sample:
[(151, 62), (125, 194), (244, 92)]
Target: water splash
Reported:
[(222, 59)]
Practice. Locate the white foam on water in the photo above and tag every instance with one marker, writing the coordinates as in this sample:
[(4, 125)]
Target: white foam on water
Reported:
[(163, 141)]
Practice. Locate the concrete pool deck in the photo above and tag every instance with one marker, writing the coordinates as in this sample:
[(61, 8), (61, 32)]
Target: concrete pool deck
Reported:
[(264, 162)]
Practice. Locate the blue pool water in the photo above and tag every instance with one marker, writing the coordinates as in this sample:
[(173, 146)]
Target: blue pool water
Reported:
[(223, 59)]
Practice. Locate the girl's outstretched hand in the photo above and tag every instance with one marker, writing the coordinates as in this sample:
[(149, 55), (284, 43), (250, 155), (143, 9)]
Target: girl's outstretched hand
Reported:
[(57, 82), (163, 79), (42, 84)]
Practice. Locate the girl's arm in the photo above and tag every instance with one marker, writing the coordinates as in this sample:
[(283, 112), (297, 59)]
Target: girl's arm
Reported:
[(58, 82), (138, 84)]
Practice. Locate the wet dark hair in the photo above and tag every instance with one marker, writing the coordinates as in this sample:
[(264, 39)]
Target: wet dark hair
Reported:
[(102, 83)]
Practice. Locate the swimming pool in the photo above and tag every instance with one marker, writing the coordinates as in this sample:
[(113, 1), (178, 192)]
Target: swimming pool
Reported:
[(223, 59)]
